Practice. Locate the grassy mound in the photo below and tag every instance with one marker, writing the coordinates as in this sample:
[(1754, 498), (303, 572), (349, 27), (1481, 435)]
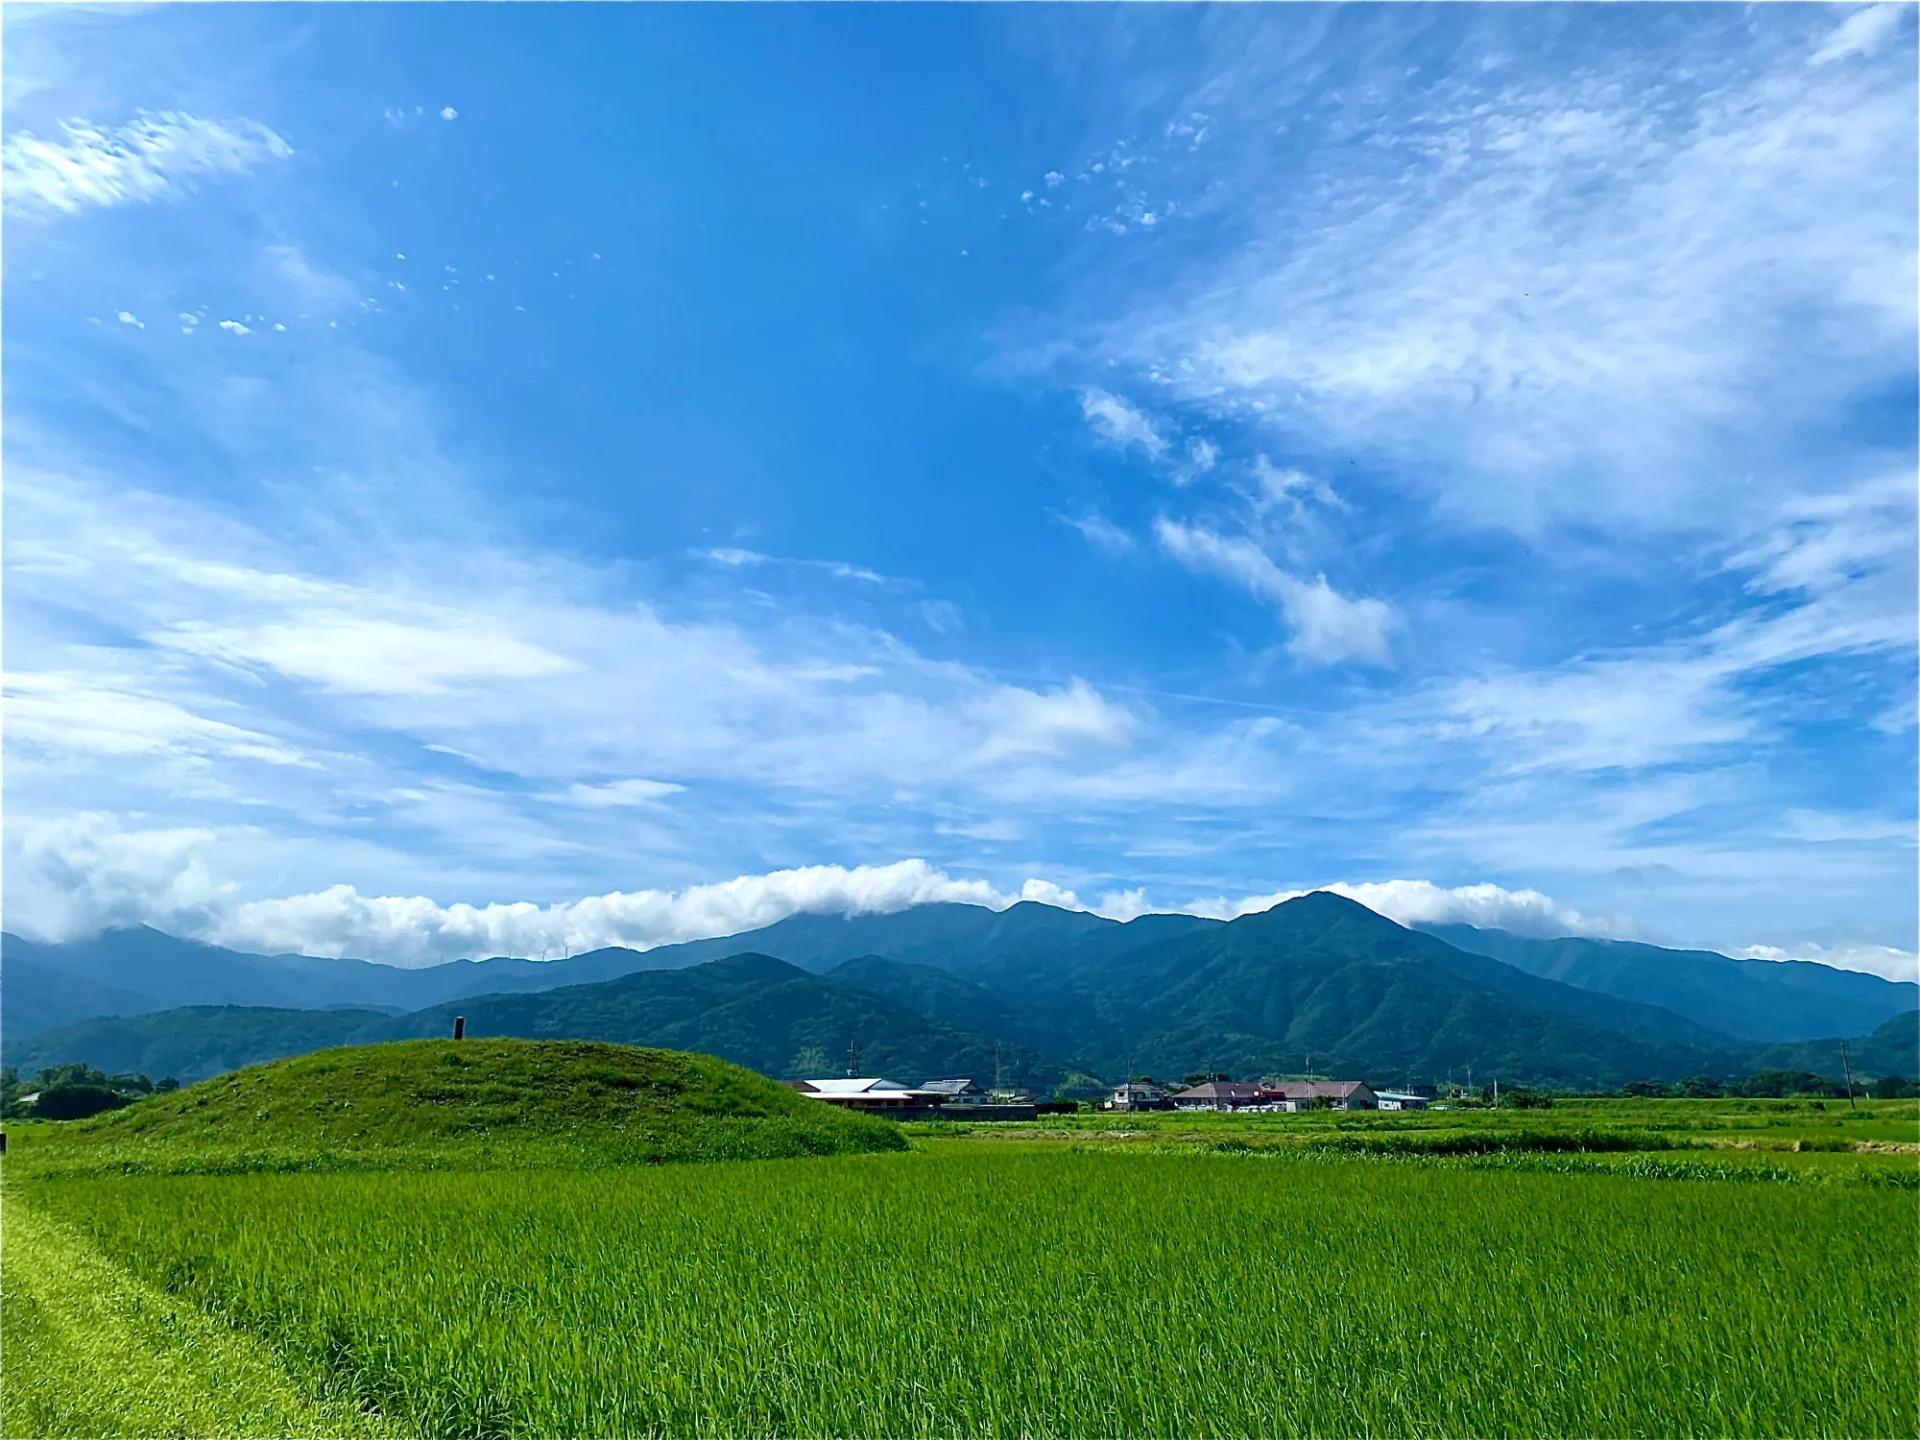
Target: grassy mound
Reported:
[(467, 1104)]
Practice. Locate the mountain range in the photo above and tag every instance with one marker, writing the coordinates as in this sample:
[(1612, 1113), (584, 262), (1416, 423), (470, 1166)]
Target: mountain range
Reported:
[(1057, 997)]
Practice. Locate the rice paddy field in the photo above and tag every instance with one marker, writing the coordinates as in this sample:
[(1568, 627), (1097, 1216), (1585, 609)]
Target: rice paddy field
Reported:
[(1209, 1277)]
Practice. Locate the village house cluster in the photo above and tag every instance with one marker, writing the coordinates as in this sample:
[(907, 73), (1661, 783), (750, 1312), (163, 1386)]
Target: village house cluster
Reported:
[(966, 1099), (1271, 1095)]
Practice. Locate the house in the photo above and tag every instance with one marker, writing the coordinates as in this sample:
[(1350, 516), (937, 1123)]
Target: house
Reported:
[(1218, 1095), (1310, 1094), (969, 1100), (1138, 1095), (962, 1091), (1400, 1100), (872, 1094)]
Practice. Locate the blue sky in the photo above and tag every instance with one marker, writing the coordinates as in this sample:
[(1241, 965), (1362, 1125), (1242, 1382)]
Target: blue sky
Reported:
[(483, 478)]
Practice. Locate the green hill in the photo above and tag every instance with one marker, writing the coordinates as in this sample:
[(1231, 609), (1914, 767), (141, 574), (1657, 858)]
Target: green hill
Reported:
[(457, 1104), (936, 993), (1892, 1049)]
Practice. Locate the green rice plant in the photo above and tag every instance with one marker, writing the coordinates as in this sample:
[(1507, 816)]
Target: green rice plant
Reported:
[(990, 1288), (92, 1351)]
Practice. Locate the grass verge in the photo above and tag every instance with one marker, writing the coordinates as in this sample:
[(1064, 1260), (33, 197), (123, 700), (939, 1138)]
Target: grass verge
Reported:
[(91, 1351)]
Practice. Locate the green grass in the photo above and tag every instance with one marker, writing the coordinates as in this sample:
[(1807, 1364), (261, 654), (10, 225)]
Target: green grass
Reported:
[(1763, 1123), (471, 1240), (92, 1351), (472, 1104), (1048, 1289)]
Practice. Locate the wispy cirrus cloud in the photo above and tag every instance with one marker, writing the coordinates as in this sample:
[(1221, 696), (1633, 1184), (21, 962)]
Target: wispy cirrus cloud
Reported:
[(1538, 295), (736, 558), (623, 792), (158, 155), (1117, 423), (1861, 33), (1100, 532), (1327, 627)]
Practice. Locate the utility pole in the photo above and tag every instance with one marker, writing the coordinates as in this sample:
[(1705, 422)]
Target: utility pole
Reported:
[(853, 1061), (1846, 1067), (1496, 1092)]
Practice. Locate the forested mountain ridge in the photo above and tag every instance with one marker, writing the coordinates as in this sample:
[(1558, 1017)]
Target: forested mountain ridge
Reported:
[(1776, 1000), (1319, 981)]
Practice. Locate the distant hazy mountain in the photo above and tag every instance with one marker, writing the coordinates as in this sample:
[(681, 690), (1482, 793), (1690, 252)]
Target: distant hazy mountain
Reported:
[(1749, 999), (189, 1044), (170, 972), (36, 997)]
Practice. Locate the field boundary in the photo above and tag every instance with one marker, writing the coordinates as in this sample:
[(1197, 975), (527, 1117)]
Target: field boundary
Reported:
[(91, 1350)]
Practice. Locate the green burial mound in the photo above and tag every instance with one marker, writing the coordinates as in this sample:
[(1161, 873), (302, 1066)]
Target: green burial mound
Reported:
[(459, 1104)]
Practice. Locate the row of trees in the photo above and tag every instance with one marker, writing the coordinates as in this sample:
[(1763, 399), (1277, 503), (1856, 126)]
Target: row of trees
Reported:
[(1774, 1085), (72, 1092)]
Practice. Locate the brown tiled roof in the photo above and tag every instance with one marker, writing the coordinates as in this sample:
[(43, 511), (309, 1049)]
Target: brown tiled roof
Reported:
[(1310, 1089), (1220, 1090)]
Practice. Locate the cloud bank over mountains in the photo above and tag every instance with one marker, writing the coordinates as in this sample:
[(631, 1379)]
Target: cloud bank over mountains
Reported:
[(87, 874), (104, 877)]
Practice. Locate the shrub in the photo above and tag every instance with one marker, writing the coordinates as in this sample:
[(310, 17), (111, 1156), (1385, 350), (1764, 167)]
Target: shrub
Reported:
[(77, 1102)]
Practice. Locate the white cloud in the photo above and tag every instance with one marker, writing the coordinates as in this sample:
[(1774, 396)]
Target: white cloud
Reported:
[(1620, 712), (1882, 960), (73, 876), (86, 713), (1060, 723), (1545, 299), (736, 558), (1420, 902), (1100, 532), (79, 874), (1819, 542), (1861, 33), (1202, 456), (1327, 626), (1845, 562), (449, 113), (547, 673), (287, 270), (624, 792), (234, 327), (412, 929), (127, 317), (424, 650), (1119, 424), (159, 155)]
